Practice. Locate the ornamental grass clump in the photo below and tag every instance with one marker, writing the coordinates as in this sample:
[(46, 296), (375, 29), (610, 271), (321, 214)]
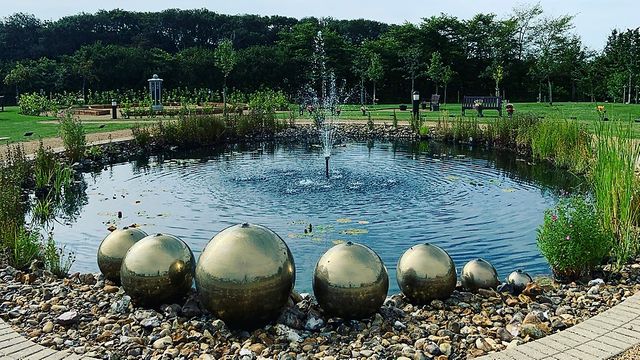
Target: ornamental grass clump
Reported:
[(572, 239)]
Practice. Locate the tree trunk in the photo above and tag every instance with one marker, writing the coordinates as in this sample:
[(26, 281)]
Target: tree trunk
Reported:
[(445, 93), (629, 95), (224, 98), (550, 91), (361, 92), (497, 89), (84, 82), (539, 91), (413, 80), (373, 101), (436, 88)]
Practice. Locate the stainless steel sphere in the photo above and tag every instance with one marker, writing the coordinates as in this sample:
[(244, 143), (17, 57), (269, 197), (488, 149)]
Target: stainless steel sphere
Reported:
[(519, 280), (158, 269), (479, 274), (113, 248), (245, 275), (350, 281), (426, 272)]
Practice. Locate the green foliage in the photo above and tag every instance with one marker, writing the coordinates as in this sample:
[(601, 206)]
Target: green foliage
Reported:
[(141, 136), (34, 104), (73, 137), (57, 259), (572, 240), (565, 142), (25, 248), (616, 186)]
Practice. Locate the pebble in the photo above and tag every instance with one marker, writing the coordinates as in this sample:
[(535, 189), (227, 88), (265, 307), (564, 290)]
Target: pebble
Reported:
[(106, 324)]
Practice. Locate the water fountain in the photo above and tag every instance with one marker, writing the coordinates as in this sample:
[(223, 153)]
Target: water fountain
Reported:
[(325, 102)]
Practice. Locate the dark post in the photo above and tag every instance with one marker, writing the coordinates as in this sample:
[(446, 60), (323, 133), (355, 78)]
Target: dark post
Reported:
[(416, 104), (326, 166), (114, 106)]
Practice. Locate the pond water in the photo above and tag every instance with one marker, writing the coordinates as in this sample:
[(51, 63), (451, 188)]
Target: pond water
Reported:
[(388, 196)]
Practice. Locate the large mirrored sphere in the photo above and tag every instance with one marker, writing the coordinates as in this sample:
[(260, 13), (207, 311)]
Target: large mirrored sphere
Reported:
[(158, 270), (426, 272), (245, 275), (113, 248), (479, 274), (519, 280), (350, 281)]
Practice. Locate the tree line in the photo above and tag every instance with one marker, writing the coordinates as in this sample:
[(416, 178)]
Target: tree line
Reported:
[(526, 56)]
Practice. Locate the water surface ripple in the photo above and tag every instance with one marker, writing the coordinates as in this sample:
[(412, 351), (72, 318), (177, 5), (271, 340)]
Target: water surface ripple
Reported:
[(387, 196)]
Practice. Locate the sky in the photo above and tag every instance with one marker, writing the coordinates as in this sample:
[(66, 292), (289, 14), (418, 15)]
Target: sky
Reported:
[(594, 19)]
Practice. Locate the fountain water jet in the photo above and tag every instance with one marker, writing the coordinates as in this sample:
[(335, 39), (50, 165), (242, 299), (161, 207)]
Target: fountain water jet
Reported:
[(326, 102)]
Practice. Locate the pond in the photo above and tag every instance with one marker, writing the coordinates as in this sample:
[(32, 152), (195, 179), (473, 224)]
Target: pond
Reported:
[(388, 196)]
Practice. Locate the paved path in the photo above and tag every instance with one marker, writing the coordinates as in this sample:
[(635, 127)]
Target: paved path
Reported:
[(600, 337), (15, 347)]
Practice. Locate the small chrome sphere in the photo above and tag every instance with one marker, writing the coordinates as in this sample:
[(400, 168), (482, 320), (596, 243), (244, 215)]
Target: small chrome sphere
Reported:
[(158, 269), (350, 281), (113, 248), (426, 272), (479, 274), (519, 280), (245, 275)]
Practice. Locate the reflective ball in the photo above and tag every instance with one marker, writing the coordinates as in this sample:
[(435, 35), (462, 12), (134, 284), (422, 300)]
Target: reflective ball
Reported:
[(158, 270), (519, 280), (113, 248), (350, 281), (479, 274), (245, 275), (426, 272)]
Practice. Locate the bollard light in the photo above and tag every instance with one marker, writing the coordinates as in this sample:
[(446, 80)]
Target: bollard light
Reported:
[(114, 107)]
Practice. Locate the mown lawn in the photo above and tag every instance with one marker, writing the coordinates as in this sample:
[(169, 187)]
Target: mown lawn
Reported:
[(13, 126), (572, 111)]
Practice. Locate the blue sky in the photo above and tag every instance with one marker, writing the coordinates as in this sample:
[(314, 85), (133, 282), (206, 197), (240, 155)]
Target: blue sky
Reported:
[(594, 19)]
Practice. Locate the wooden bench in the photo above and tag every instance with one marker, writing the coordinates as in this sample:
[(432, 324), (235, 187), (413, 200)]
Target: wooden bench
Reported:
[(488, 103), (434, 104)]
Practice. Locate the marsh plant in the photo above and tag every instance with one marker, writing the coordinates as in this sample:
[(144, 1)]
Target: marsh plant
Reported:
[(73, 137), (572, 240), (615, 185)]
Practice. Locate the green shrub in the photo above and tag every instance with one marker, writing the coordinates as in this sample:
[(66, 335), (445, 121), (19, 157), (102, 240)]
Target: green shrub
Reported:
[(572, 239), (141, 136), (73, 137), (57, 259), (25, 248), (34, 104)]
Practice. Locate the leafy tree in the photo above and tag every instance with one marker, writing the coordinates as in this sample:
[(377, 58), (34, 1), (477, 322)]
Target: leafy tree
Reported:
[(552, 39), (447, 76), (411, 65), (225, 59), (436, 69), (375, 73)]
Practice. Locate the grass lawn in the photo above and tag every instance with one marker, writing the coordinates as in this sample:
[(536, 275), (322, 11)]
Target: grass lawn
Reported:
[(13, 126), (572, 111)]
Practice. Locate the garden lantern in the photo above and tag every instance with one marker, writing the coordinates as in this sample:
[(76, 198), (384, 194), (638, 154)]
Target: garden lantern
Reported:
[(114, 106), (155, 89), (416, 103)]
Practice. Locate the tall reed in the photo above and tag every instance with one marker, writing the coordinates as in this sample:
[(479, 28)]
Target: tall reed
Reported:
[(615, 184)]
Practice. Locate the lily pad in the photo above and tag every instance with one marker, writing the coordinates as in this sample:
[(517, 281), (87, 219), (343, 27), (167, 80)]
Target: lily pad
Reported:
[(354, 231), (343, 220), (509, 190)]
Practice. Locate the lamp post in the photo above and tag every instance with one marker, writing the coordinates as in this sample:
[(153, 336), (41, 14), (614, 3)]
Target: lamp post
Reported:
[(416, 104), (114, 106), (155, 88)]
